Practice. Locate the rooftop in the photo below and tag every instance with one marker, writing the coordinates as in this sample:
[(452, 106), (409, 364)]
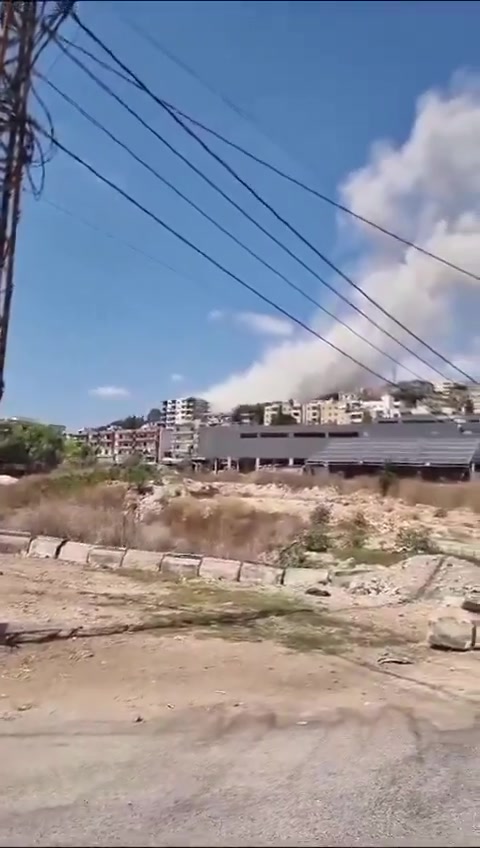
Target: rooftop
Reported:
[(458, 451)]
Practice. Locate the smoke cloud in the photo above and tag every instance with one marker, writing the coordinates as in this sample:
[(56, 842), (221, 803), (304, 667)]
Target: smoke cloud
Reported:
[(428, 190)]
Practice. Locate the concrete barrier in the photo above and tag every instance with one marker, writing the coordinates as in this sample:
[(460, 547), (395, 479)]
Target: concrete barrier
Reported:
[(14, 541), (144, 560), (257, 574), (213, 568), (101, 557), (74, 552), (180, 566), (170, 566), (303, 578), (45, 547)]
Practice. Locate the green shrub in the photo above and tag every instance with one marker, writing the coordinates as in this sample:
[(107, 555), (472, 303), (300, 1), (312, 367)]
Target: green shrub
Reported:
[(320, 515), (292, 555), (317, 540), (415, 540)]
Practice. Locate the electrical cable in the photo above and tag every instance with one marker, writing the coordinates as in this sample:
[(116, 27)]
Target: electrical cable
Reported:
[(214, 262), (86, 223), (219, 226), (261, 200), (105, 87), (260, 161)]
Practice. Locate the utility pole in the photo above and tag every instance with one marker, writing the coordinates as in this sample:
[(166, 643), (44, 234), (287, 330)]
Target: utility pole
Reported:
[(26, 26), (16, 51)]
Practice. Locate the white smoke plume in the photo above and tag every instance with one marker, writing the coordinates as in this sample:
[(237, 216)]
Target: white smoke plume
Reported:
[(428, 190)]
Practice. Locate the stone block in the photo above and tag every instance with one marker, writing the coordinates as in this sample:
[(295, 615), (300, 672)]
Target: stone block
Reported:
[(45, 547), (144, 560), (213, 568), (14, 542), (100, 557), (74, 552), (452, 630), (303, 578), (180, 566), (471, 602), (257, 574)]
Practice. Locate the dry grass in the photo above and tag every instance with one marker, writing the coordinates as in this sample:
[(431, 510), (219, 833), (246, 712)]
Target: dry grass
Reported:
[(97, 515), (445, 496), (226, 529)]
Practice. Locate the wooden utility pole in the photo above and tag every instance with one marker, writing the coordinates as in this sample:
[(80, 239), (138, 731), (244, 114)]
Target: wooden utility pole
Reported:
[(17, 41), (26, 26)]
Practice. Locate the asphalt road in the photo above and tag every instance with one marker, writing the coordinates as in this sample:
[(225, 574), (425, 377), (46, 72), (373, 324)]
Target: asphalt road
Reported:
[(378, 780)]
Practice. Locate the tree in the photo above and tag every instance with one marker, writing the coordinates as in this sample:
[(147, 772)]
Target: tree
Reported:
[(36, 447), (468, 407), (254, 411), (282, 418), (78, 452), (131, 422), (154, 416)]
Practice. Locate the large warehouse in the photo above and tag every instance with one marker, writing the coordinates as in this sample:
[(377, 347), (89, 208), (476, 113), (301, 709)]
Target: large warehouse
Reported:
[(350, 449), (453, 458)]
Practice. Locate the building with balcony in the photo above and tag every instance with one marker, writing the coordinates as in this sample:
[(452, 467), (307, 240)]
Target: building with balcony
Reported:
[(175, 411), (116, 444)]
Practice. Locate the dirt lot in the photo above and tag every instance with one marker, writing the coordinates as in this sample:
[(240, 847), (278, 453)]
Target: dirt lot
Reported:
[(296, 659)]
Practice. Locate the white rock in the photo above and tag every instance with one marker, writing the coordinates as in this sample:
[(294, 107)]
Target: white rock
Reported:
[(451, 629), (472, 602)]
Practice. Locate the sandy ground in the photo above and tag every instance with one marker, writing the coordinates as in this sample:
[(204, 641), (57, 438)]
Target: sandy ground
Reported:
[(228, 736)]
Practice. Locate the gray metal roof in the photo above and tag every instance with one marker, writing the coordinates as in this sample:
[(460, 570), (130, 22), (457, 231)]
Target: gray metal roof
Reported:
[(457, 451)]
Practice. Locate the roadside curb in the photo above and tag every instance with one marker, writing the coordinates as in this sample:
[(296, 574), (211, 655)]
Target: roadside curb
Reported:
[(169, 565), (12, 634), (173, 566)]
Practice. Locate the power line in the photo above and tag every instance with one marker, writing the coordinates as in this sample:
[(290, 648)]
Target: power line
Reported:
[(265, 203), (105, 87), (214, 262), (219, 226), (165, 51), (260, 161), (86, 223)]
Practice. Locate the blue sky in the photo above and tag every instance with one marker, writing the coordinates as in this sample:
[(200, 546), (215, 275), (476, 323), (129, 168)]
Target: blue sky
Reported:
[(322, 82)]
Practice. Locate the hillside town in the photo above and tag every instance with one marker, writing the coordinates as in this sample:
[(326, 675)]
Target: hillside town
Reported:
[(184, 429)]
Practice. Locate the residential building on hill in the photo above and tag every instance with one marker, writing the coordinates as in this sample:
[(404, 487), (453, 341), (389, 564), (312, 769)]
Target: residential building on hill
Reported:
[(175, 411)]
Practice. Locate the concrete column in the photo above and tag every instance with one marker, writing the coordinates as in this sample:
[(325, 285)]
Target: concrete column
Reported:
[(229, 463), (257, 464), (215, 466), (291, 462)]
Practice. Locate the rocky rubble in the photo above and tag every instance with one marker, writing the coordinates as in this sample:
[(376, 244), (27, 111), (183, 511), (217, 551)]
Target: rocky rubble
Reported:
[(385, 516)]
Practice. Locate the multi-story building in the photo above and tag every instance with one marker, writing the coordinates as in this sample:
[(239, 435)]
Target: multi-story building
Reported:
[(334, 412), (474, 395), (115, 444), (182, 410), (184, 440), (276, 409), (312, 412)]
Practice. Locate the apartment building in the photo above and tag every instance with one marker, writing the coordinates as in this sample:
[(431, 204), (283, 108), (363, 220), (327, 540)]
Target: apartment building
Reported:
[(117, 443), (176, 411), (184, 439), (288, 407), (312, 412), (335, 412)]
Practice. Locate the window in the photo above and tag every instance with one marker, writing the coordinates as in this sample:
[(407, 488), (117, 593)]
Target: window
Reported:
[(274, 435), (340, 435), (248, 435), (309, 435)]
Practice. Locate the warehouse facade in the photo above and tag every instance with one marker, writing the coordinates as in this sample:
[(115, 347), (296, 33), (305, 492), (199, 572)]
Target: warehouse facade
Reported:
[(251, 447)]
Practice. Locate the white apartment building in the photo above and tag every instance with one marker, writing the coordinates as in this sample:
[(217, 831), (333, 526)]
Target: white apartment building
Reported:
[(386, 407), (288, 407), (312, 412), (474, 395), (175, 411), (334, 412)]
